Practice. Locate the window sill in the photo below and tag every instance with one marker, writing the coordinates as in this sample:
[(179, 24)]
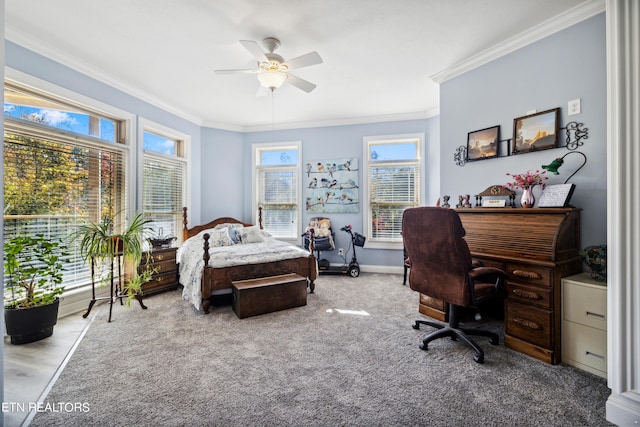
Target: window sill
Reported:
[(383, 245)]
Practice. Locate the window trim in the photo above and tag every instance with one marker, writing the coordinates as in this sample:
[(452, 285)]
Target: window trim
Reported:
[(297, 145), (148, 125), (30, 82), (366, 213), (128, 119)]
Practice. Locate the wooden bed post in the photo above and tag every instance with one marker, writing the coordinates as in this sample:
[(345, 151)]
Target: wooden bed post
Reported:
[(206, 256), (260, 216), (185, 235)]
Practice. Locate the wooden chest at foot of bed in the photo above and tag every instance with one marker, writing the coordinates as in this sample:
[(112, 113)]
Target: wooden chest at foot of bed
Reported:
[(268, 294)]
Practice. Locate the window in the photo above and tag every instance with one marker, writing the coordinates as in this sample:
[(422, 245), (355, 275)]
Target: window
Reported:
[(63, 166), (276, 178), (393, 165), (163, 181)]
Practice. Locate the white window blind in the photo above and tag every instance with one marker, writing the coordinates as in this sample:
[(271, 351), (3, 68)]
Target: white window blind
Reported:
[(56, 181), (392, 184), (394, 187), (163, 194), (278, 196)]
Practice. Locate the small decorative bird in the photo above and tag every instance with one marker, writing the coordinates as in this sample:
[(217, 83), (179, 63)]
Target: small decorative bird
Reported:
[(313, 183), (331, 168), (330, 195)]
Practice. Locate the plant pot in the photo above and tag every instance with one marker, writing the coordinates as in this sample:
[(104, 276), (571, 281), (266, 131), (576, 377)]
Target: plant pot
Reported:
[(25, 325)]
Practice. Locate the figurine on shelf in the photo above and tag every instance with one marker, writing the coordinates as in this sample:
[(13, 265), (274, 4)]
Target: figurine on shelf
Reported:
[(445, 201), (459, 205), (466, 202)]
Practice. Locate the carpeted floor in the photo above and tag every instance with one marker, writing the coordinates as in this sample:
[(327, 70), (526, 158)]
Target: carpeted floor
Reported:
[(349, 357)]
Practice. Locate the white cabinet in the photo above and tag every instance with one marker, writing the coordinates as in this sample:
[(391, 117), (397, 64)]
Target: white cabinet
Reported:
[(584, 323)]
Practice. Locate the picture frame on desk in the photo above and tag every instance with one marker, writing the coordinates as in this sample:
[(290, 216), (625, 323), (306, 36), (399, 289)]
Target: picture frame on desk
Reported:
[(556, 196)]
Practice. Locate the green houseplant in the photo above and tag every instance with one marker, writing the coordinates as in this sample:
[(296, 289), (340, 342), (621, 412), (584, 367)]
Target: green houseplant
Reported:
[(98, 243), (33, 269)]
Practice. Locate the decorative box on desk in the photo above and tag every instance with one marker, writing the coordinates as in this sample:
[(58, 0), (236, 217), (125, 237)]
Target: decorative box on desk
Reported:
[(536, 248), (165, 276), (584, 323)]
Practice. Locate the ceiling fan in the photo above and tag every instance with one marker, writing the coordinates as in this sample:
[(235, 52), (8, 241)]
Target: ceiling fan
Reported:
[(273, 70)]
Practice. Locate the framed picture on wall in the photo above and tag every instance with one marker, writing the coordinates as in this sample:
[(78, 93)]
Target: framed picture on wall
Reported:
[(483, 144), (535, 132)]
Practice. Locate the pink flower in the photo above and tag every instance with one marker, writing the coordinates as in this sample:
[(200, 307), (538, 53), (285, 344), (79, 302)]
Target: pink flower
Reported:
[(526, 180)]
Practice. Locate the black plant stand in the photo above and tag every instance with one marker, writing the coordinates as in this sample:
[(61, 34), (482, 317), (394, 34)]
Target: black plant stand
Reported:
[(116, 287)]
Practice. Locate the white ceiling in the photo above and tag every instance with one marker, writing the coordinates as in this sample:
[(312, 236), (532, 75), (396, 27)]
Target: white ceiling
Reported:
[(379, 55)]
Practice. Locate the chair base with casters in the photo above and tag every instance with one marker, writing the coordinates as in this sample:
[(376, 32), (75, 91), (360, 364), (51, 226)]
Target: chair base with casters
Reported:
[(454, 331)]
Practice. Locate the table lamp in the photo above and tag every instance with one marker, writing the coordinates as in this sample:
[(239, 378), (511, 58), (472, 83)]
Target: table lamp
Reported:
[(554, 165)]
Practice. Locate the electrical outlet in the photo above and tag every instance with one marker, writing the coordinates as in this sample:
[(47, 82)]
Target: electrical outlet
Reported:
[(340, 251), (574, 107)]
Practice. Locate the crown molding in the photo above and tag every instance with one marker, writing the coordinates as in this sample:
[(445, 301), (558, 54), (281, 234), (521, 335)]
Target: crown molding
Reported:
[(346, 122), (559, 22), (20, 38)]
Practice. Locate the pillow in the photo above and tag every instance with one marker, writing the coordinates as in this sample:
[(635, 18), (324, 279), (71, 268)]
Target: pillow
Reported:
[(220, 237), (251, 234), (234, 234)]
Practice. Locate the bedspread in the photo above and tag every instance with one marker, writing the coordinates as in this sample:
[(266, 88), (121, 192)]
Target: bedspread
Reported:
[(189, 256)]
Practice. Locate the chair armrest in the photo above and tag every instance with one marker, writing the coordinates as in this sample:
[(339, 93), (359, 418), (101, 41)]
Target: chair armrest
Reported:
[(484, 273)]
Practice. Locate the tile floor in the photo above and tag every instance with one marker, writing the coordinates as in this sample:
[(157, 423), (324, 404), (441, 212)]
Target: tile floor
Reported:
[(30, 369)]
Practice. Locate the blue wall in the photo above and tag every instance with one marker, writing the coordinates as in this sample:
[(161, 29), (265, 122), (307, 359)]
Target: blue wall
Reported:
[(567, 65), (324, 143)]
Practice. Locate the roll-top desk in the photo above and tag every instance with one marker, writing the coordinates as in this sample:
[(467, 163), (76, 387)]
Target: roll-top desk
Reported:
[(536, 247)]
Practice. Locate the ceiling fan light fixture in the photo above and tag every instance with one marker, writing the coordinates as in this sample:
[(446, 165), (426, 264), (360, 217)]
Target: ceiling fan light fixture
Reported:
[(271, 79)]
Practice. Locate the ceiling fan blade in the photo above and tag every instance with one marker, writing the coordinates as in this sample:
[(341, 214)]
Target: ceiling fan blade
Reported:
[(300, 83), (311, 58), (246, 71), (255, 50)]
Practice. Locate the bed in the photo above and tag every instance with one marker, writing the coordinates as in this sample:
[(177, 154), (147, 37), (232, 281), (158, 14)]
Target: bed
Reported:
[(215, 254)]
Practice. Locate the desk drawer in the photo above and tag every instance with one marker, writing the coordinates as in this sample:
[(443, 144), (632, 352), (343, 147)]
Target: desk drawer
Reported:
[(529, 295), (432, 302), (585, 305), (528, 323), (529, 274), (584, 345)]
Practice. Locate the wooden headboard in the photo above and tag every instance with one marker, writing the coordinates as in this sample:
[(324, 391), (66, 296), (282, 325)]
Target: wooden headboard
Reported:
[(188, 232)]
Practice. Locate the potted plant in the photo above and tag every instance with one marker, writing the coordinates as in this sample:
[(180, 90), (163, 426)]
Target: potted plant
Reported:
[(33, 270), (101, 245)]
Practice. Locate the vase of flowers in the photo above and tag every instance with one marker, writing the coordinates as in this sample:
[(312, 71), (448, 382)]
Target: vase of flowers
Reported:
[(527, 181)]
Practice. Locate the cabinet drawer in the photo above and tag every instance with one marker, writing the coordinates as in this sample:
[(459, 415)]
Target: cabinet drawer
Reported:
[(161, 256), (165, 278), (531, 324), (584, 345), (586, 305), (529, 295), (164, 266), (529, 274)]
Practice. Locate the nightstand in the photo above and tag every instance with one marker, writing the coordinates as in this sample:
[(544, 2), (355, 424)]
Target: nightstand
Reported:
[(165, 276), (584, 323)]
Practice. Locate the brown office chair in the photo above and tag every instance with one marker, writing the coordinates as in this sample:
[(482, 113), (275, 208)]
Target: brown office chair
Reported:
[(441, 267)]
